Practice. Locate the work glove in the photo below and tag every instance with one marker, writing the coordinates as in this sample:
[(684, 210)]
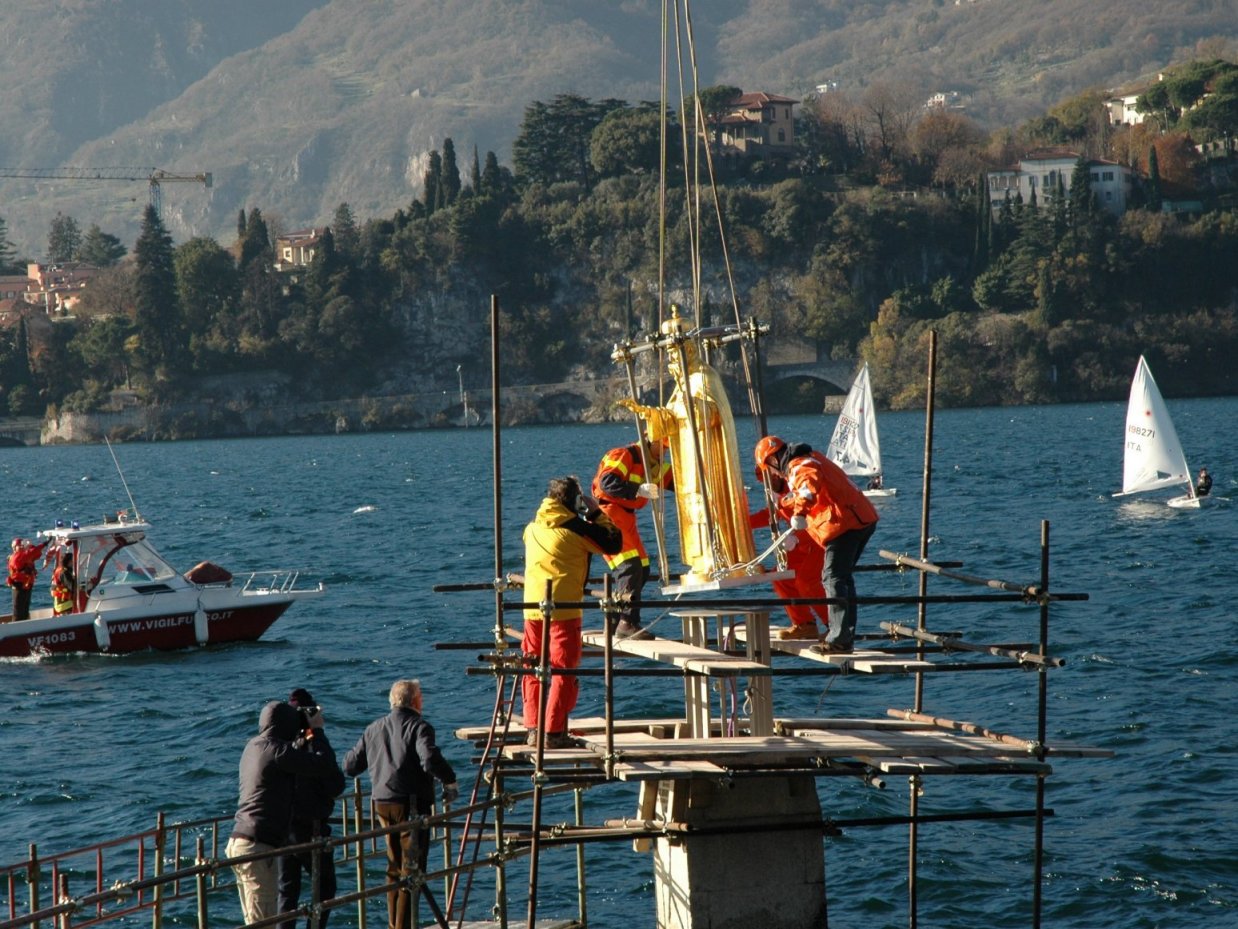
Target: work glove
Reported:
[(648, 491), (450, 792), (789, 543), (798, 522)]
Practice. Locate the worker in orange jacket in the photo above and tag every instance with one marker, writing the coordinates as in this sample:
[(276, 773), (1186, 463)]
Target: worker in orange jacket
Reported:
[(622, 488), (806, 559), (22, 574), (837, 516)]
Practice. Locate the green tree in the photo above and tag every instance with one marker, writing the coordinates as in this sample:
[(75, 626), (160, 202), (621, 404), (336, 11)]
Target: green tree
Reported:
[(100, 248), (207, 287), (344, 230), (8, 252), (627, 141), (1154, 181), (553, 144), (432, 183), (64, 238), (256, 241), (450, 178), (475, 173), (714, 104), (157, 317)]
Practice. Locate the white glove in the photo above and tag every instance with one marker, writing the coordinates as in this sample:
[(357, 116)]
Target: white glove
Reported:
[(789, 543), (649, 491), (799, 522)]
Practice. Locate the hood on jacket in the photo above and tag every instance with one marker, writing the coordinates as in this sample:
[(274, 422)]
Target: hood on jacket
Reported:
[(792, 451), (280, 720), (553, 513)]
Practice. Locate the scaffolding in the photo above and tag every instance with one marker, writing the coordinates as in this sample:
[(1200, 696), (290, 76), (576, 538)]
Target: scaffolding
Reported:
[(725, 642)]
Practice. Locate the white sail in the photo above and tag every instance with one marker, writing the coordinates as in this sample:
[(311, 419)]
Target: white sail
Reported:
[(1153, 457), (854, 446)]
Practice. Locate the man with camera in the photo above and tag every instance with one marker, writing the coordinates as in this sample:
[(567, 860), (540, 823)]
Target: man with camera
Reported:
[(313, 801), (403, 759), (271, 765), (569, 527)]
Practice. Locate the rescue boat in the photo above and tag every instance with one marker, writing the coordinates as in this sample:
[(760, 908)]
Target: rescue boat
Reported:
[(128, 598)]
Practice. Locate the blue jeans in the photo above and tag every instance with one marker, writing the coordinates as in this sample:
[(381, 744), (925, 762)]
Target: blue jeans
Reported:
[(841, 556)]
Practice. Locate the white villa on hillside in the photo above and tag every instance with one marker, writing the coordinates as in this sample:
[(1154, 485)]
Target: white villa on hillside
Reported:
[(1041, 172)]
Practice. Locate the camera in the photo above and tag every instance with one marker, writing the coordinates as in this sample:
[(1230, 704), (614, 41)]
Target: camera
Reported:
[(308, 713)]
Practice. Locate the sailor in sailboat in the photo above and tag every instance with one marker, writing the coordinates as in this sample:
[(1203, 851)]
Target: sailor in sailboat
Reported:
[(1203, 486)]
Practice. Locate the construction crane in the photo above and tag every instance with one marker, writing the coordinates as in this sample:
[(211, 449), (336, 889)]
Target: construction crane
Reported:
[(154, 177)]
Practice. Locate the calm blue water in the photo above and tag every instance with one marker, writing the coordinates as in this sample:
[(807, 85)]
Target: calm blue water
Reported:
[(93, 747)]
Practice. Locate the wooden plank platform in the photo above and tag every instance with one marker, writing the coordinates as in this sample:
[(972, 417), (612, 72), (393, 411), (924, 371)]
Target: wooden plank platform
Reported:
[(647, 751), (691, 658), (867, 661)]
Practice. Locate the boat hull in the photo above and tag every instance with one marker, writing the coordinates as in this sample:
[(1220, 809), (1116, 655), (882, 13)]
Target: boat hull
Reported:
[(124, 632)]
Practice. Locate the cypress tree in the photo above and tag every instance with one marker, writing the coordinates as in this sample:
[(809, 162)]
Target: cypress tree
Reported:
[(475, 174), (1154, 181), (432, 182), (450, 174), (157, 308), (241, 225)]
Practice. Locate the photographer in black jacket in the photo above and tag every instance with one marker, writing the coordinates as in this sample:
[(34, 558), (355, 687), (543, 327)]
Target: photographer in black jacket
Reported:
[(270, 766), (312, 804)]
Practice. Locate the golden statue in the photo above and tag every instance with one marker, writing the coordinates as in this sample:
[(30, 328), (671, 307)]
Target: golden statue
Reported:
[(715, 538)]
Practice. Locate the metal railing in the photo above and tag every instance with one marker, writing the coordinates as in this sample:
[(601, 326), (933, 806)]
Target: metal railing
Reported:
[(178, 872)]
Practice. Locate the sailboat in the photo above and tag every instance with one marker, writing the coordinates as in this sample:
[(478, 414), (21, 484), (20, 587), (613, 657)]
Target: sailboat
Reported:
[(1153, 458), (854, 446)]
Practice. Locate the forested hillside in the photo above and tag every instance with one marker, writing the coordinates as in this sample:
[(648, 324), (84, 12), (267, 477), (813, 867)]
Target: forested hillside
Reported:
[(857, 246), (297, 105)]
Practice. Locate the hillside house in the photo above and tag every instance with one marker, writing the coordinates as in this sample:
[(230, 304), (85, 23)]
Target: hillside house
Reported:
[(1121, 110), (1040, 173), (296, 249), (759, 125), (57, 287)]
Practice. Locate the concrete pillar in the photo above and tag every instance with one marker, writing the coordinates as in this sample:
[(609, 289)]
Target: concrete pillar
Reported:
[(770, 879)]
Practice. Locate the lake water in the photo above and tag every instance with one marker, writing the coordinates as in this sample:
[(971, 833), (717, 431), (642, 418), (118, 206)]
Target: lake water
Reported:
[(92, 747)]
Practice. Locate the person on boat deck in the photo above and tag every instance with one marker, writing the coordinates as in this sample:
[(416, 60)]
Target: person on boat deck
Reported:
[(805, 558), (269, 769), (1203, 486), (403, 759), (874, 482), (23, 573), (313, 801), (64, 585), (838, 517), (568, 528), (622, 488)]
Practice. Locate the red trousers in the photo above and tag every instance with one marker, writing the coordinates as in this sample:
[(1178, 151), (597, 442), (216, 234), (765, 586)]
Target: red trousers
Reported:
[(806, 560), (564, 653)]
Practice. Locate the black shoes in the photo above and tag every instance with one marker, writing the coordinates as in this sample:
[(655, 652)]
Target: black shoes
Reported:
[(627, 630)]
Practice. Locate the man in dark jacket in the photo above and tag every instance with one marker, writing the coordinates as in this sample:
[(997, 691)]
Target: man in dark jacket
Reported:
[(269, 769), (312, 805), (403, 759)]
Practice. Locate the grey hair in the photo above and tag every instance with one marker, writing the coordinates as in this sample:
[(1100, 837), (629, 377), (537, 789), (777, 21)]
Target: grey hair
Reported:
[(403, 693)]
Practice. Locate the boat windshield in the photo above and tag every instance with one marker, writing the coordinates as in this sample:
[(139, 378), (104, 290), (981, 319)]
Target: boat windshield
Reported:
[(121, 559)]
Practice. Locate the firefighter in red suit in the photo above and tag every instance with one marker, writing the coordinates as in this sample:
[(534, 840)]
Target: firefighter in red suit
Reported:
[(22, 574), (622, 488), (568, 528), (838, 517), (806, 558)]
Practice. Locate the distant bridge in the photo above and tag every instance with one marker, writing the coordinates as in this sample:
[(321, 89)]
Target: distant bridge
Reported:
[(839, 374), (20, 431)]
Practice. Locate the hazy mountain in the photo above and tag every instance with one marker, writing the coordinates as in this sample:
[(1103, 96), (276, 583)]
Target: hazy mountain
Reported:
[(297, 105)]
